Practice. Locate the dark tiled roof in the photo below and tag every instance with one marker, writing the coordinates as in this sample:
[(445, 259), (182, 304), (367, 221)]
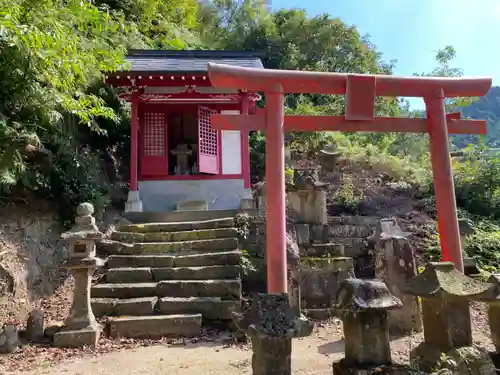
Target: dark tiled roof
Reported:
[(162, 61)]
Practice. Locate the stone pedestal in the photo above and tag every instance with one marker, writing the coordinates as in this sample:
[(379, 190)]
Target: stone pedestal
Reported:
[(394, 264), (134, 203), (363, 306), (446, 294), (271, 324), (271, 356), (80, 327)]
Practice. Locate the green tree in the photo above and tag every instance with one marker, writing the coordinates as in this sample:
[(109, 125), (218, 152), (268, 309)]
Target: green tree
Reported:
[(164, 24), (289, 39), (51, 51)]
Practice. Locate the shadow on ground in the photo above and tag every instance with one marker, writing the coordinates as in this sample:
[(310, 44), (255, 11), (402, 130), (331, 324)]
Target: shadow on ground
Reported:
[(332, 347)]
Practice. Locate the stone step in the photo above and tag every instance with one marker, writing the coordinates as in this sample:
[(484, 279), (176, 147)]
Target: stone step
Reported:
[(189, 235), (197, 273), (129, 275), (191, 206), (208, 259), (227, 222), (210, 307), (117, 261), (130, 306), (155, 327), (353, 247), (178, 216), (226, 289), (361, 231), (354, 220), (124, 290), (138, 275), (170, 247), (190, 260)]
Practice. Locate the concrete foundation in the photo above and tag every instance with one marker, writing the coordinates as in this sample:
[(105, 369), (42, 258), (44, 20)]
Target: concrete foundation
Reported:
[(163, 196)]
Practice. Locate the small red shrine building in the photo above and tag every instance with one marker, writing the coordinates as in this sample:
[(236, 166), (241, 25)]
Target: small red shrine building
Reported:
[(177, 159)]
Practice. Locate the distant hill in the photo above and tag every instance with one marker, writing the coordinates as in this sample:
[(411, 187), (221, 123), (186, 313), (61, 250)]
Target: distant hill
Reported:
[(488, 108)]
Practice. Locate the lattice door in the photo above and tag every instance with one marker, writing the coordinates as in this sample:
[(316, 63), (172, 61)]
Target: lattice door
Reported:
[(208, 142), (154, 158)]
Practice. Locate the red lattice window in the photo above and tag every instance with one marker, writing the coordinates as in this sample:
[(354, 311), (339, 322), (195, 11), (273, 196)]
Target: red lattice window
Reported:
[(208, 136), (208, 142), (154, 158), (154, 134)]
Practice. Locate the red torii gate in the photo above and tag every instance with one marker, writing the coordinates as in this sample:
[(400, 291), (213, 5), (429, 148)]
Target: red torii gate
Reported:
[(360, 91)]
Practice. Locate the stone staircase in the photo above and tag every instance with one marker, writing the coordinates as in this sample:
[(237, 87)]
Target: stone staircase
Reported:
[(168, 279)]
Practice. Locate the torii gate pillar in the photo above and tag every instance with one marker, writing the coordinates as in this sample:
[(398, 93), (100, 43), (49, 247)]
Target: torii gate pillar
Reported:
[(275, 193), (451, 247)]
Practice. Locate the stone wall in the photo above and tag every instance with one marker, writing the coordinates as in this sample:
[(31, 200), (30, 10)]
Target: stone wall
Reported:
[(315, 244)]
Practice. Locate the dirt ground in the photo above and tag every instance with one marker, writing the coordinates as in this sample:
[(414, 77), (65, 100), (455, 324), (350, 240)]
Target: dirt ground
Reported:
[(311, 355)]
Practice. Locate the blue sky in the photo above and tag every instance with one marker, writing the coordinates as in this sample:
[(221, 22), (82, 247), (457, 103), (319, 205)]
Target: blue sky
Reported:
[(411, 31)]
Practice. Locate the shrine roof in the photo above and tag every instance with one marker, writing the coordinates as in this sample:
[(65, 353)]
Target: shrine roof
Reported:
[(168, 61)]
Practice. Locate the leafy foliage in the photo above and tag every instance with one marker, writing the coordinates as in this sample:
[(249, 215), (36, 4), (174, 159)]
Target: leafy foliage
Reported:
[(477, 183), (52, 58)]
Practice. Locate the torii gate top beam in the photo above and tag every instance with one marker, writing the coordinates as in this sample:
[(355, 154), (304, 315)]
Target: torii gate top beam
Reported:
[(291, 81), (360, 91)]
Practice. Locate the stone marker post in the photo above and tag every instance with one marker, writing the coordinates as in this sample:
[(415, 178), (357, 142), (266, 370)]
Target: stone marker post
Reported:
[(394, 264), (466, 229), (294, 277), (446, 293), (35, 326), (81, 327), (9, 338), (271, 324), (494, 313), (363, 305)]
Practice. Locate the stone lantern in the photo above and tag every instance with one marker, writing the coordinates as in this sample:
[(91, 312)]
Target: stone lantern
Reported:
[(307, 197), (80, 327), (329, 156), (446, 294), (363, 305)]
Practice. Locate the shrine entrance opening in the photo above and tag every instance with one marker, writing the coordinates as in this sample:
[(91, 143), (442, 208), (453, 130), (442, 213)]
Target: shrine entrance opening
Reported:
[(360, 91)]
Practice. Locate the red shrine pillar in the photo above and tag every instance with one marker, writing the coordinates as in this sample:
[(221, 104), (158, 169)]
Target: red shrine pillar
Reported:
[(451, 248), (275, 193), (244, 134), (134, 203)]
